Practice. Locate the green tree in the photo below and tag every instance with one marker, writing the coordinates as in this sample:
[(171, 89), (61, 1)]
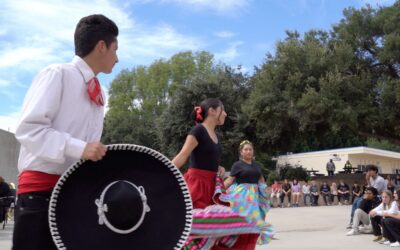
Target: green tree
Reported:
[(329, 89), (139, 96), (225, 83)]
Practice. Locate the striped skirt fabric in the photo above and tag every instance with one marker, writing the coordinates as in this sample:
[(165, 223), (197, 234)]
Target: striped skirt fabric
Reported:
[(220, 225)]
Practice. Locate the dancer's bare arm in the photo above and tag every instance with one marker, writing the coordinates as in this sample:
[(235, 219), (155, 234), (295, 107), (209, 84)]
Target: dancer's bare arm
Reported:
[(229, 181), (181, 158)]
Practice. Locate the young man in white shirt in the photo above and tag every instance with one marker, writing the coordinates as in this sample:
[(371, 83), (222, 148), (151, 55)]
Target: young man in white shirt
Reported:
[(61, 122), (374, 180)]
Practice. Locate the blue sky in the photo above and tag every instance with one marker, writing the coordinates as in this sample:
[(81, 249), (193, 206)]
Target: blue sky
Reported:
[(36, 33)]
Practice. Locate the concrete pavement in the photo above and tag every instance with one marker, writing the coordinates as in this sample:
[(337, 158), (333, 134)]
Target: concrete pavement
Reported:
[(308, 228), (316, 228)]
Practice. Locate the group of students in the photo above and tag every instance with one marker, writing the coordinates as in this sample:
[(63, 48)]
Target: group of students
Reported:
[(62, 122), (294, 190), (377, 211)]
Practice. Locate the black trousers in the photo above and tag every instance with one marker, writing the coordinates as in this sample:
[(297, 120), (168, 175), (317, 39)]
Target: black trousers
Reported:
[(391, 229), (31, 228), (342, 197), (376, 223), (289, 196)]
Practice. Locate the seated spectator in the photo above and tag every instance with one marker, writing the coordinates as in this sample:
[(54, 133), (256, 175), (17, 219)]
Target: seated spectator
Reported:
[(276, 192), (369, 202), (306, 193), (296, 188), (314, 193), (4, 191), (286, 191), (325, 192), (343, 192), (390, 183), (397, 181), (334, 192), (348, 167), (376, 214), (13, 193), (391, 223), (356, 204), (356, 192), (374, 180)]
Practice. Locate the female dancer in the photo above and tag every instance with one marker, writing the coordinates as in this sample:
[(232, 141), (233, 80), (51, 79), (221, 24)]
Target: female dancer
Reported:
[(246, 192), (204, 149)]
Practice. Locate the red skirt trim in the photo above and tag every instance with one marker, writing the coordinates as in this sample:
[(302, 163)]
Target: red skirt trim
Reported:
[(201, 184)]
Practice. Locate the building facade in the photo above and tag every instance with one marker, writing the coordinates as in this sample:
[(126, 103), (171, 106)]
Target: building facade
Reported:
[(9, 151), (388, 162)]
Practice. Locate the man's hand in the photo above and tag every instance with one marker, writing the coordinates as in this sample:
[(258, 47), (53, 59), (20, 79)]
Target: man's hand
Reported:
[(94, 151)]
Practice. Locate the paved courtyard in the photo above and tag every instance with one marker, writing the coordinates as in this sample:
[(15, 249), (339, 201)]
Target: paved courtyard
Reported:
[(309, 228), (316, 228)]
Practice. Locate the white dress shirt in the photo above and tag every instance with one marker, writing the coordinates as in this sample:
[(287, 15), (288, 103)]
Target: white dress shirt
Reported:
[(58, 118)]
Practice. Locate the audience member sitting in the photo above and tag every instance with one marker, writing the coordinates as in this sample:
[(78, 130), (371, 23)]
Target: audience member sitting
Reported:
[(376, 214), (314, 193), (4, 192), (276, 192), (325, 192), (286, 191), (390, 183), (369, 202), (343, 192), (306, 193), (391, 223), (296, 188), (334, 192), (356, 204), (356, 192), (374, 180)]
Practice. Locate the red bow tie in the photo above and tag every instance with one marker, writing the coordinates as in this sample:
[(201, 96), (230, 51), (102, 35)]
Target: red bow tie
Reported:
[(94, 91)]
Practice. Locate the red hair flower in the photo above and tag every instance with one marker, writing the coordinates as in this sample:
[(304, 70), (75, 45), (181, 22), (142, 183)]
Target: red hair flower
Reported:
[(199, 116)]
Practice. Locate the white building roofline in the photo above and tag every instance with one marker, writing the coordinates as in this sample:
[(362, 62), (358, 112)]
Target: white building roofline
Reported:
[(349, 151)]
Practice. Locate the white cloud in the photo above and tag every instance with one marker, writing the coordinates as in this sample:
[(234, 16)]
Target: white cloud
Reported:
[(37, 33), (220, 6), (230, 53), (375, 3), (4, 83), (224, 34), (161, 41), (9, 122), (40, 34)]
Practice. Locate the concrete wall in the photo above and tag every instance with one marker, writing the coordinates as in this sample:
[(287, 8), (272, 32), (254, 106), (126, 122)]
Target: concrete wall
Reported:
[(386, 165), (9, 151)]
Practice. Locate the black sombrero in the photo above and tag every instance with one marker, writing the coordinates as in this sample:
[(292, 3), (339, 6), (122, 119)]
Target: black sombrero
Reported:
[(134, 198)]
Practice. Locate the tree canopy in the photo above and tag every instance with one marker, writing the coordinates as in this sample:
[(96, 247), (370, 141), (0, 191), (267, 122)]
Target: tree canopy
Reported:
[(318, 90)]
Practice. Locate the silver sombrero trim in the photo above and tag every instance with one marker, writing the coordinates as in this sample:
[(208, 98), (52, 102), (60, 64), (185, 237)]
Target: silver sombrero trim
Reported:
[(187, 199)]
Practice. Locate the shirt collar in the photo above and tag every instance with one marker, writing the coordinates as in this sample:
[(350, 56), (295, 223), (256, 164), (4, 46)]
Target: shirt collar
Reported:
[(84, 68)]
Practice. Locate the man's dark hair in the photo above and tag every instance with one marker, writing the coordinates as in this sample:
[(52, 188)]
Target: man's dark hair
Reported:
[(373, 190), (372, 167), (92, 29)]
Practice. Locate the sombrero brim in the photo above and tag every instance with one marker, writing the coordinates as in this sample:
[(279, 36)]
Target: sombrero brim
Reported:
[(73, 213)]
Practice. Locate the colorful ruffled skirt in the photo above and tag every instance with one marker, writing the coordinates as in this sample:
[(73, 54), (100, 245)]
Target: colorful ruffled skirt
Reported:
[(215, 226), (252, 202)]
